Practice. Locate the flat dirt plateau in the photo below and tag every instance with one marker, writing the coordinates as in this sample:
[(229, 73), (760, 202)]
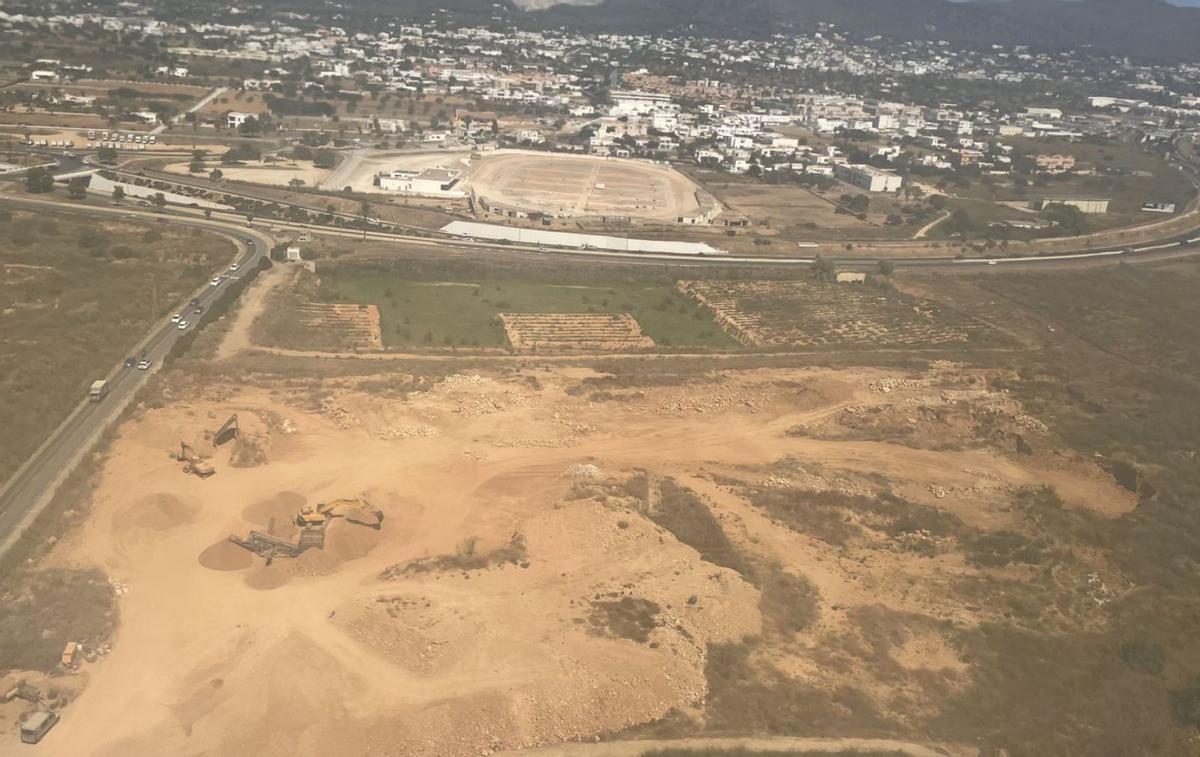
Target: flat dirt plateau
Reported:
[(561, 551)]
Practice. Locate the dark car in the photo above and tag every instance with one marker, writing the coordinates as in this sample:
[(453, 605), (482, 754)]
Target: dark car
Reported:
[(130, 362), (194, 302)]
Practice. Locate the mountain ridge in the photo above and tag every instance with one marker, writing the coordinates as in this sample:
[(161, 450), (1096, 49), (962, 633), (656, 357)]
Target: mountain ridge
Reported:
[(1151, 30)]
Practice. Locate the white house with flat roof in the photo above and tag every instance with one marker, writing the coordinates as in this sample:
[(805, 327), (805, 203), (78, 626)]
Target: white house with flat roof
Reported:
[(869, 178), (433, 182)]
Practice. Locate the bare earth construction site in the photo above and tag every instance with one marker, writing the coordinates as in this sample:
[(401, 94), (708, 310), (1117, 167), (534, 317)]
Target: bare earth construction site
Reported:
[(590, 618), (578, 546)]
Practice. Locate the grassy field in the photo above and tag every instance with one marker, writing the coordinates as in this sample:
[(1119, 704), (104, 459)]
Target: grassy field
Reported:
[(463, 312), (75, 298)]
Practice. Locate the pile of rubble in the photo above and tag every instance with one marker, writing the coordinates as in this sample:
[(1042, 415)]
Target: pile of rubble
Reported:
[(409, 431), (342, 418), (539, 443), (889, 385), (704, 400), (582, 470)]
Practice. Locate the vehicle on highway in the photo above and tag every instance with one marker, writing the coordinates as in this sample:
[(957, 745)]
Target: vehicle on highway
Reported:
[(233, 267), (177, 318), (182, 326), (130, 362), (194, 301), (144, 365), (98, 391), (197, 310), (216, 282)]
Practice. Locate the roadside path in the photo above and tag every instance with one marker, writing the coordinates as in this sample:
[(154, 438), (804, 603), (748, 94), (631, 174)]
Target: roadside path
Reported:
[(811, 745)]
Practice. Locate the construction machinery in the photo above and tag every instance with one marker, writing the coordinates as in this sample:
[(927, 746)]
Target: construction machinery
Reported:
[(70, 654), (228, 431), (313, 521), (26, 691), (320, 515), (193, 463)]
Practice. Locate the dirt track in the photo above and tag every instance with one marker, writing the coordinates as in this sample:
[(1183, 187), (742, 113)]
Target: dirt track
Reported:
[(813, 745), (577, 185)]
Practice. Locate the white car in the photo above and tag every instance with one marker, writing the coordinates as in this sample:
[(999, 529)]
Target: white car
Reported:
[(177, 318), (144, 365), (233, 267), (216, 282), (182, 326)]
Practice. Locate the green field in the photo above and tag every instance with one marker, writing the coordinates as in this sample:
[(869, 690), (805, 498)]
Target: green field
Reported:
[(463, 312)]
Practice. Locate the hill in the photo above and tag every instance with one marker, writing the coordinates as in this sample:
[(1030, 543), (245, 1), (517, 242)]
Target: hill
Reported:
[(1148, 30)]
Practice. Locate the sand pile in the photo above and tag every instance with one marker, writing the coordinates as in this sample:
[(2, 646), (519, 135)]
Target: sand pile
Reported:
[(248, 452), (225, 555), (161, 511)]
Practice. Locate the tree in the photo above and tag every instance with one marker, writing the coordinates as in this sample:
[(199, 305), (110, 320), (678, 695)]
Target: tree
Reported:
[(208, 212), (824, 267), (216, 174), (107, 154), (159, 200), (886, 268), (38, 180), (118, 193), (323, 159), (295, 183), (196, 166), (77, 187)]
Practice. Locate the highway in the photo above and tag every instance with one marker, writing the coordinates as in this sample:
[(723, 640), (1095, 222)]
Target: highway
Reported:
[(31, 488), (1177, 245)]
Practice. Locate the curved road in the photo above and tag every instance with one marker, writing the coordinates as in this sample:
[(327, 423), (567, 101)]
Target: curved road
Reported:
[(32, 487)]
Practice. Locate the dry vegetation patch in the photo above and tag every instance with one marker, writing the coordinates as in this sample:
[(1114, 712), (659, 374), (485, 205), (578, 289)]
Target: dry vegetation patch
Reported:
[(579, 331), (820, 314)]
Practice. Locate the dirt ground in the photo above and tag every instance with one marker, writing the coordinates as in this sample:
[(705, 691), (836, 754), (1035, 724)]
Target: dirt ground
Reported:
[(576, 185), (274, 174), (546, 603), (358, 168)]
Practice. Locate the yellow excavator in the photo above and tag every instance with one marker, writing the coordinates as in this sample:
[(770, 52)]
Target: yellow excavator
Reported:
[(356, 511), (313, 522)]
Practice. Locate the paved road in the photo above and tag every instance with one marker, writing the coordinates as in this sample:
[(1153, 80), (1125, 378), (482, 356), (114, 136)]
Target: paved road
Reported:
[(30, 489)]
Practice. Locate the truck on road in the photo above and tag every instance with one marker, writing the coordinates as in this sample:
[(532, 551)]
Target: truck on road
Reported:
[(98, 391)]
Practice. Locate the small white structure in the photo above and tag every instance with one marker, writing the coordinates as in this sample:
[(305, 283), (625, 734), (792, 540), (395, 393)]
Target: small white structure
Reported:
[(234, 119), (293, 254), (850, 277)]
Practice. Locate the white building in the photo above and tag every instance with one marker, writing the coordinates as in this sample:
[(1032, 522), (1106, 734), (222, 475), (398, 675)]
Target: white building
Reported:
[(438, 182), (626, 103), (868, 177)]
